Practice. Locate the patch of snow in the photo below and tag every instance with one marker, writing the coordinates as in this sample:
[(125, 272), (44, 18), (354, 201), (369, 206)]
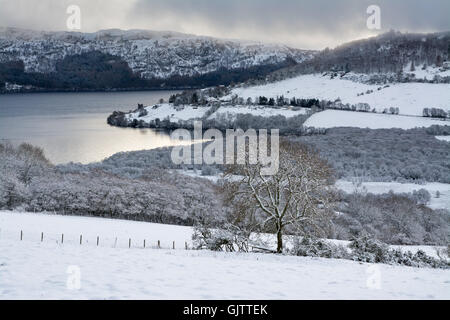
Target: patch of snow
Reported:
[(232, 111), (338, 118), (427, 73), (168, 111), (443, 138), (443, 202)]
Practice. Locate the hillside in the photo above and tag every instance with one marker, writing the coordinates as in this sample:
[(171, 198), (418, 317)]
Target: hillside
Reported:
[(390, 54), (144, 58)]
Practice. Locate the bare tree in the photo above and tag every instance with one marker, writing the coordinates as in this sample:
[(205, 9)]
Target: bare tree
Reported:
[(296, 200)]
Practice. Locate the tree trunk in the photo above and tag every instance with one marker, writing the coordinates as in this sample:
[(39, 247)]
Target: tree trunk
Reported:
[(279, 241)]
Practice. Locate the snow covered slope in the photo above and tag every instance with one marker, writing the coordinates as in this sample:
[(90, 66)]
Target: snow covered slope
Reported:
[(411, 98), (151, 54), (443, 202), (30, 269), (338, 118)]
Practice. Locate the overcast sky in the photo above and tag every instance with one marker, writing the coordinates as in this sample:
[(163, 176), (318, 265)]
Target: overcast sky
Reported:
[(303, 24)]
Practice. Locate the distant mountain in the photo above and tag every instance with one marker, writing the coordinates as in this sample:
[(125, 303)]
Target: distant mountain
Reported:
[(134, 59), (392, 52)]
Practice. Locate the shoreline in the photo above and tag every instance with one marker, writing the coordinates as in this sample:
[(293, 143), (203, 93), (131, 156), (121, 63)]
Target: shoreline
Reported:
[(96, 90)]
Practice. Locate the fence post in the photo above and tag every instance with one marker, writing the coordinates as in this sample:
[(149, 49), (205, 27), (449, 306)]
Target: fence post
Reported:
[(62, 238), (98, 240), (81, 239), (144, 243), (174, 245), (159, 244), (42, 237), (129, 243), (185, 245), (21, 235)]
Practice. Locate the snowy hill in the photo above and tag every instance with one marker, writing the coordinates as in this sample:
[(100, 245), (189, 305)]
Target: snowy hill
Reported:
[(410, 98), (31, 269), (149, 54), (384, 55)]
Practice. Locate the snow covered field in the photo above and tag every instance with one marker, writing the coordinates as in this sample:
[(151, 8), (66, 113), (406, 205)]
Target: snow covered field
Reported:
[(338, 118), (30, 269), (257, 111), (184, 113), (443, 202), (427, 73), (164, 111), (411, 98)]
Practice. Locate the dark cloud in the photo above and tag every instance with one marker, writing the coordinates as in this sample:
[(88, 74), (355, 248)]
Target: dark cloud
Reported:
[(305, 24)]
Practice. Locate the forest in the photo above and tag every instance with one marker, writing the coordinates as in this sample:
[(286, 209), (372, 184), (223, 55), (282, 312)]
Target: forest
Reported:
[(99, 71)]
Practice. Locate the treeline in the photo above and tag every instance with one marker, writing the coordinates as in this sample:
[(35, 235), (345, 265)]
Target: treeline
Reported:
[(385, 154), (29, 182), (400, 219), (99, 71), (88, 71), (387, 53), (435, 113)]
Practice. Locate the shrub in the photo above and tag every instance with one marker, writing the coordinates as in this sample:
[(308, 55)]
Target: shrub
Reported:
[(367, 249), (312, 247)]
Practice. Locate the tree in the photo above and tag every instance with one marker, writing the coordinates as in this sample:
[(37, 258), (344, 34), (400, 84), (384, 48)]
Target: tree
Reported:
[(194, 99), (413, 68), (295, 200)]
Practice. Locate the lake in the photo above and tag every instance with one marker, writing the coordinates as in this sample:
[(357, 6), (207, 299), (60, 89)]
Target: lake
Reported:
[(71, 127)]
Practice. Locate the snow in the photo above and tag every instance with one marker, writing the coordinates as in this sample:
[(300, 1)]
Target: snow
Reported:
[(443, 138), (411, 98), (189, 112), (53, 226), (164, 111), (257, 111), (443, 202), (30, 269), (428, 73), (339, 118)]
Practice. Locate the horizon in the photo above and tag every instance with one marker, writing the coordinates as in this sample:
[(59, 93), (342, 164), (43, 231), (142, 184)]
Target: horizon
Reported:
[(227, 39)]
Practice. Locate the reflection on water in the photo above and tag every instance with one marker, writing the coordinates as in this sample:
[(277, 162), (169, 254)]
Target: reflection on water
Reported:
[(72, 126)]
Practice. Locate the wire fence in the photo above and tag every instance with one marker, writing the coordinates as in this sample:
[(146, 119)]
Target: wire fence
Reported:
[(94, 241)]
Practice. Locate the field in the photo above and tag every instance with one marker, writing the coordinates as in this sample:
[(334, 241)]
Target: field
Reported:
[(411, 98), (30, 269), (443, 202), (338, 118)]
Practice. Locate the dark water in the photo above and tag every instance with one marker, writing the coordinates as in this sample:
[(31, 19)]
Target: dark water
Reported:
[(72, 126)]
